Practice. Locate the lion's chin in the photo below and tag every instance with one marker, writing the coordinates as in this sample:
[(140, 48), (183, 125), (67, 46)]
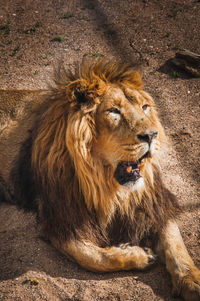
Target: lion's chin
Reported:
[(127, 173), (133, 186)]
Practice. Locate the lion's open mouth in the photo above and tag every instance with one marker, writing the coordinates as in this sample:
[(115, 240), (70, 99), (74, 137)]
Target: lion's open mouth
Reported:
[(129, 171)]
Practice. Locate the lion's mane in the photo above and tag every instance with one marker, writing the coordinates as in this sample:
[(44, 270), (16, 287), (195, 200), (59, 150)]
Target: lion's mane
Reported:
[(75, 192)]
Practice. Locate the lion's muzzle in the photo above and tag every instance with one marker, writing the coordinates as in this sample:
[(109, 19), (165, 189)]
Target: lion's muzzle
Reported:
[(148, 136)]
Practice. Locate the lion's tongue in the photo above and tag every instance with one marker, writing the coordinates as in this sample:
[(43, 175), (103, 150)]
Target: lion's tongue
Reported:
[(127, 172)]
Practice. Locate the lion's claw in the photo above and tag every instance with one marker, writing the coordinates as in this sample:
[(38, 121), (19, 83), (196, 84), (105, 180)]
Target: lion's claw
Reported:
[(125, 246), (151, 256)]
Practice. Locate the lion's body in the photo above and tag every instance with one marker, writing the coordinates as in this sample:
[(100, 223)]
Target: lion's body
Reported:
[(92, 164), (74, 165)]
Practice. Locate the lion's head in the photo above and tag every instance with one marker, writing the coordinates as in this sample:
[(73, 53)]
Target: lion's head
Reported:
[(98, 140)]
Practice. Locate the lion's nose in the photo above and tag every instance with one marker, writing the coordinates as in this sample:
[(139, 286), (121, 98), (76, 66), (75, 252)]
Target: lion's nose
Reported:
[(147, 136)]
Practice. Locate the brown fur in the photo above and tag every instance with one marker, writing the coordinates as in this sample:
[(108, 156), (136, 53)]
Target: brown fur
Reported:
[(70, 177), (78, 142)]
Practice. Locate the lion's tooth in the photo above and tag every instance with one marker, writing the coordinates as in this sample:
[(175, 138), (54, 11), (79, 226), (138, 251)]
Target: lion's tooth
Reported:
[(129, 169)]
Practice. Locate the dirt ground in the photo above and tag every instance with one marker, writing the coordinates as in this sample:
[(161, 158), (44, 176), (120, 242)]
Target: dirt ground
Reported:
[(37, 35)]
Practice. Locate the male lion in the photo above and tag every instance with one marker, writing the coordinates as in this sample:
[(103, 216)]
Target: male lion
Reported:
[(94, 166)]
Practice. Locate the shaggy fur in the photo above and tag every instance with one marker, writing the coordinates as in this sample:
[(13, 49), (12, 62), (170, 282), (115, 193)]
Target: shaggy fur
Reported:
[(75, 186), (96, 118)]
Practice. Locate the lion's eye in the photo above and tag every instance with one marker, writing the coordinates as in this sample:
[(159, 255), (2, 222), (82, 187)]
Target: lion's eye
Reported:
[(114, 110), (145, 107)]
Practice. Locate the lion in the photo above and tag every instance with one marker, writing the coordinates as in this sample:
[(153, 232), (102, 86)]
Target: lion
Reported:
[(93, 163)]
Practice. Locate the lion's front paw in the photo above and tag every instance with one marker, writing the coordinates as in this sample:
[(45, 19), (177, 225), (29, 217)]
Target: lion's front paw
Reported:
[(145, 258), (190, 286), (137, 257)]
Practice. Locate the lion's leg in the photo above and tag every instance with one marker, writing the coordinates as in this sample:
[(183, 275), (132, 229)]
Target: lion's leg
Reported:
[(185, 275), (94, 258)]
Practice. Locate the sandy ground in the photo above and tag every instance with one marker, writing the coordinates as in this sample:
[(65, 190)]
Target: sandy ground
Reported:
[(34, 37)]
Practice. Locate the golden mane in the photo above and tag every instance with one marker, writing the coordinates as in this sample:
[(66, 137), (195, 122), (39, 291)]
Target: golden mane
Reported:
[(72, 181)]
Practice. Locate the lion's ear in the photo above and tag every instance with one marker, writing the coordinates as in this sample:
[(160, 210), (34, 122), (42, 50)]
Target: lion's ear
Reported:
[(80, 96), (77, 92), (134, 80)]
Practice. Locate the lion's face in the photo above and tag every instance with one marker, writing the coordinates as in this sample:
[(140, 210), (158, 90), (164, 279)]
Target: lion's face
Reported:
[(112, 134), (127, 133)]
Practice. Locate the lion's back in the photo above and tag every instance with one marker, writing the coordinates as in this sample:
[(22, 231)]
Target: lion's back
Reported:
[(18, 111)]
